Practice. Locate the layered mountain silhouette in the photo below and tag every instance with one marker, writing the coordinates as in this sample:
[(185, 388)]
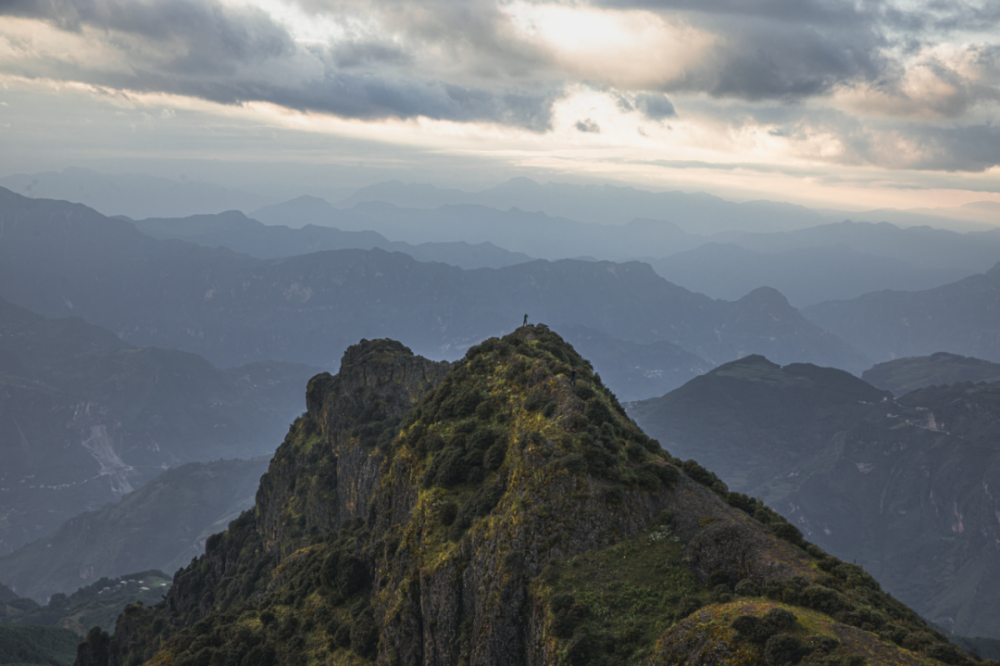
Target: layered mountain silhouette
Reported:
[(504, 510), (86, 417), (236, 231), (901, 485), (61, 259), (961, 318)]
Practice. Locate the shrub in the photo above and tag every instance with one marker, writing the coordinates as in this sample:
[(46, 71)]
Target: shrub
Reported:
[(364, 636), (495, 455), (788, 532), (747, 588), (447, 513), (783, 649), (597, 412), (687, 606), (352, 575), (536, 400), (580, 649)]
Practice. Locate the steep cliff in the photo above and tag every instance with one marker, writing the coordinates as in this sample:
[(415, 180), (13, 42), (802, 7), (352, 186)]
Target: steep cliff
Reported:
[(501, 511)]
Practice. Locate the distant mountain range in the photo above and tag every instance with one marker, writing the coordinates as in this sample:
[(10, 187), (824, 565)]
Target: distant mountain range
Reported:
[(835, 260), (915, 372), (903, 485), (163, 525), (962, 317), (134, 194), (236, 231), (805, 275), (60, 258), (86, 417)]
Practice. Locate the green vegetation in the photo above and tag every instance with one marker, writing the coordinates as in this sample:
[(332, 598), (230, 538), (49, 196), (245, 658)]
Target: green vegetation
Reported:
[(496, 511)]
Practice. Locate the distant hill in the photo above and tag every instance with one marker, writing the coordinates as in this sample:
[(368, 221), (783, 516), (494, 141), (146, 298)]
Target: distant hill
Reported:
[(529, 232), (925, 247), (600, 204), (134, 194), (96, 605), (902, 486), (234, 309), (806, 275), (960, 318), (239, 233), (163, 525), (85, 417), (913, 372)]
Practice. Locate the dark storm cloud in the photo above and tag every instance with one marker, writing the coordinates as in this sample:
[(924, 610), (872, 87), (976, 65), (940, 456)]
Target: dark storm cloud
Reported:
[(235, 55)]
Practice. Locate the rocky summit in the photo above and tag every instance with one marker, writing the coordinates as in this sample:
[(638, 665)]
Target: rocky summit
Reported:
[(503, 510)]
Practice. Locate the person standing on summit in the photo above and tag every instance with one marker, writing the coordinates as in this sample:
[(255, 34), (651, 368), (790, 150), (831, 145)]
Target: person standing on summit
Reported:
[(525, 320)]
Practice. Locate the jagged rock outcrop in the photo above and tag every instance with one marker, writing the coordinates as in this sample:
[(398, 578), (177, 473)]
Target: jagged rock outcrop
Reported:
[(512, 516)]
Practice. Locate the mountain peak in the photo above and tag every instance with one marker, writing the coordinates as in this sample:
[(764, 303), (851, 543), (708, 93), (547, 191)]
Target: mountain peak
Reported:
[(503, 510), (766, 297)]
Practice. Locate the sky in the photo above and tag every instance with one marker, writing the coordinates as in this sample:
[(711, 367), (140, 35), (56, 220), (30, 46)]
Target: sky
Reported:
[(849, 105)]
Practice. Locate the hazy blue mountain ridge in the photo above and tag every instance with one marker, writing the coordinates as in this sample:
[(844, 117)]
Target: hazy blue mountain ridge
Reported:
[(85, 417), (234, 309), (914, 372), (163, 525), (962, 317), (239, 233)]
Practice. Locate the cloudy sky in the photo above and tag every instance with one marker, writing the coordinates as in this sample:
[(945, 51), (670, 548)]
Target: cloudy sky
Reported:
[(832, 103)]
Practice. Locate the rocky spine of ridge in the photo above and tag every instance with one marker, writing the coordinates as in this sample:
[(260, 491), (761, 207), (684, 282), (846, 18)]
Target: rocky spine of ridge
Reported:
[(512, 515)]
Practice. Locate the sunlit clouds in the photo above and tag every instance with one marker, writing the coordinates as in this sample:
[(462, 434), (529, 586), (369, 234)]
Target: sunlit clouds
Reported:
[(895, 95)]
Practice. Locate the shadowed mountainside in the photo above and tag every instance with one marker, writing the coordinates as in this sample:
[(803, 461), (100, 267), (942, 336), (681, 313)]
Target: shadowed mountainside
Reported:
[(163, 525), (85, 417), (902, 486)]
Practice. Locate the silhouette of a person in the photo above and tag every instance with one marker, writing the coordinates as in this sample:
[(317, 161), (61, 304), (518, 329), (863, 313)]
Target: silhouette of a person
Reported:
[(525, 320)]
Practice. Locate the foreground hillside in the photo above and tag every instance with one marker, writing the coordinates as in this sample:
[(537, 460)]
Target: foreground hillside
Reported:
[(504, 510), (903, 486)]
